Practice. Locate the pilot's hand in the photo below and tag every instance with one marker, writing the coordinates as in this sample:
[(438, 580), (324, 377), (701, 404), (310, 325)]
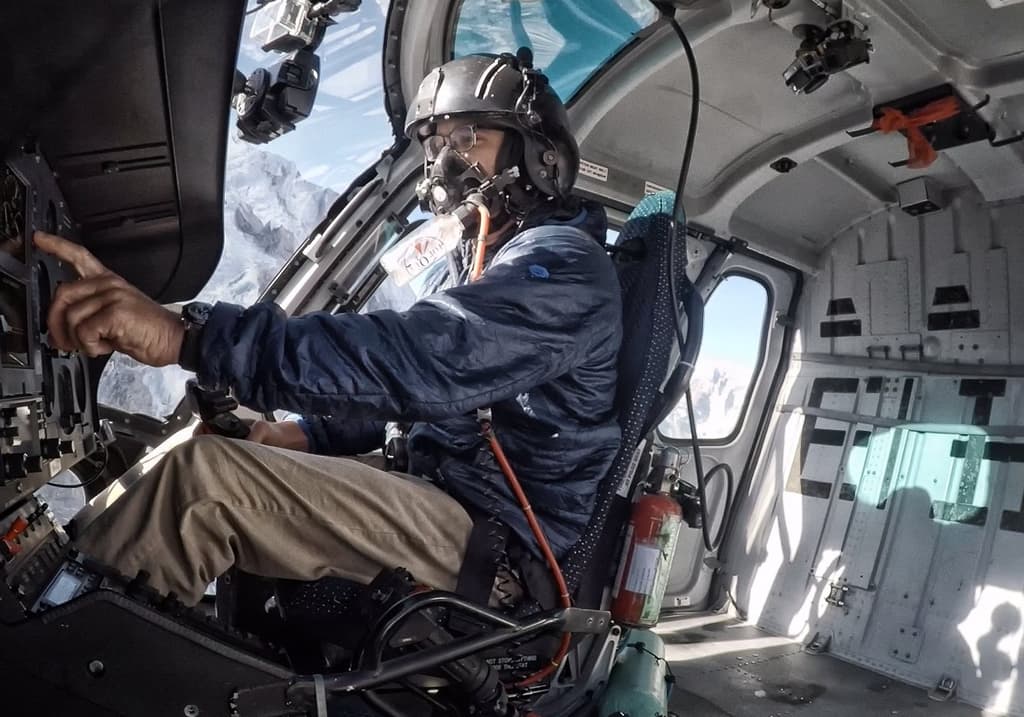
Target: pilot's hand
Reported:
[(101, 312), (282, 434)]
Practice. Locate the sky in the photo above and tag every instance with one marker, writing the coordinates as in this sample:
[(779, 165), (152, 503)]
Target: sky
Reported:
[(348, 128), (733, 320)]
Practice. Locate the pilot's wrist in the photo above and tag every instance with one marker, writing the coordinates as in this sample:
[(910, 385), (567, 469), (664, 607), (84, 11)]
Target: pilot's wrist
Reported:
[(193, 322), (177, 339)]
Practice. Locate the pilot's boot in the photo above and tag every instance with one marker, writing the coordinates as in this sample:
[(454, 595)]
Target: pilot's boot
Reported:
[(215, 502)]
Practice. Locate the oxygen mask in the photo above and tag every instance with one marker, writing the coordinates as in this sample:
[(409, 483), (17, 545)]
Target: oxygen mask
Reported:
[(450, 179)]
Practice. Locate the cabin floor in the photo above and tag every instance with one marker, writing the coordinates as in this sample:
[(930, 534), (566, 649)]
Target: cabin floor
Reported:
[(727, 668)]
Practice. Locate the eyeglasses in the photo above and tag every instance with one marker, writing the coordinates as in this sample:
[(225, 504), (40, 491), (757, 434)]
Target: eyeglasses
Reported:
[(461, 139)]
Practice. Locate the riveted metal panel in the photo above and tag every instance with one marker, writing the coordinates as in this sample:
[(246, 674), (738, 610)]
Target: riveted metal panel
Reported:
[(888, 292)]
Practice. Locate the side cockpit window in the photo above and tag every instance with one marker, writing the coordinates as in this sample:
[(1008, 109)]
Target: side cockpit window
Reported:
[(729, 361)]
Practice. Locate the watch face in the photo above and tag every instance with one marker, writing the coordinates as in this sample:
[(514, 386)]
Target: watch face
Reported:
[(196, 312)]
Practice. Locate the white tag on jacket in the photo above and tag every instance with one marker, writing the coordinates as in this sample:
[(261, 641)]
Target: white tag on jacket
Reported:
[(422, 247)]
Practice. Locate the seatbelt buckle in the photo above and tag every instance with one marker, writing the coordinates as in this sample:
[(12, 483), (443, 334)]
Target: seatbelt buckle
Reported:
[(396, 448), (214, 409)]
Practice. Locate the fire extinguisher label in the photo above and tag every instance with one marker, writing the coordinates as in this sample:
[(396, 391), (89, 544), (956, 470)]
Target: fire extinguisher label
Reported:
[(643, 569), (667, 540)]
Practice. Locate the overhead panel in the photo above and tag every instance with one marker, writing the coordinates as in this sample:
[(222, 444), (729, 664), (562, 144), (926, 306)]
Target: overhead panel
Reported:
[(969, 28), (642, 137), (810, 201)]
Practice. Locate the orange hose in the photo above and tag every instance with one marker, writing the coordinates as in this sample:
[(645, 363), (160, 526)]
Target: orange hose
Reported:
[(517, 489), (481, 243), (531, 518), (545, 549)]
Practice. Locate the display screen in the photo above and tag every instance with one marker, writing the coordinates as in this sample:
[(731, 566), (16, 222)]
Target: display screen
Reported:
[(12, 214), (13, 323), (62, 589)]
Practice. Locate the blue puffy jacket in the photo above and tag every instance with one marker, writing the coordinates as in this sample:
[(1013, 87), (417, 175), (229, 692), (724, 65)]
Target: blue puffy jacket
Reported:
[(536, 339)]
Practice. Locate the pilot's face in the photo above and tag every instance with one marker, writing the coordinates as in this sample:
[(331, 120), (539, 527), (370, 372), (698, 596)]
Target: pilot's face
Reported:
[(477, 145)]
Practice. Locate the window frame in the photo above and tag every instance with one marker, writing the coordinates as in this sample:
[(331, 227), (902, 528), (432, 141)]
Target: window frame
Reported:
[(766, 328)]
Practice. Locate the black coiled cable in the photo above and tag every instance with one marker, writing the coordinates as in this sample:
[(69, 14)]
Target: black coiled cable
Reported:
[(694, 304), (702, 482)]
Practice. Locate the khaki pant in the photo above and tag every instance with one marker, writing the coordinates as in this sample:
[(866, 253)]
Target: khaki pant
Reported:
[(215, 502)]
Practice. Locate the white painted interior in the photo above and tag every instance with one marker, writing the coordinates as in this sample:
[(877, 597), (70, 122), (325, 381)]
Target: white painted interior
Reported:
[(925, 597)]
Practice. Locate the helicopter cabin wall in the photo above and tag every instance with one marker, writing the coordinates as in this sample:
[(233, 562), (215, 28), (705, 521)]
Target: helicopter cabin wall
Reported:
[(886, 519)]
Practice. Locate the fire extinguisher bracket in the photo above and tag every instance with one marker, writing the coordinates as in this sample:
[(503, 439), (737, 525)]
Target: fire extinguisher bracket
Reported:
[(586, 622), (651, 538)]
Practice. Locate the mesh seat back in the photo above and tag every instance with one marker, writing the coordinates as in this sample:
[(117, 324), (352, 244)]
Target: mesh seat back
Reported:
[(644, 263)]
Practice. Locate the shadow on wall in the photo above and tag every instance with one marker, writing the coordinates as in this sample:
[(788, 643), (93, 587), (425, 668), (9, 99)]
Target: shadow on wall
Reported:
[(915, 576)]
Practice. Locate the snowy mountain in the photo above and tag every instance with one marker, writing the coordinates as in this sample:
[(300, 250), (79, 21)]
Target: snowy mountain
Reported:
[(269, 209), (719, 390)]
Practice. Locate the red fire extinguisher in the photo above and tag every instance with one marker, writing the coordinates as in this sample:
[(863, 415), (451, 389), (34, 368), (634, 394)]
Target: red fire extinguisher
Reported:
[(651, 539)]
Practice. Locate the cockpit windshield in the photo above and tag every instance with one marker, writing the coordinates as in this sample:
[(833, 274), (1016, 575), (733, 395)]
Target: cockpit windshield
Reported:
[(570, 39)]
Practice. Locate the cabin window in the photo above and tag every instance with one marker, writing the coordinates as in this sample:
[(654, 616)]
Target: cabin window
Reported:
[(570, 39), (729, 362)]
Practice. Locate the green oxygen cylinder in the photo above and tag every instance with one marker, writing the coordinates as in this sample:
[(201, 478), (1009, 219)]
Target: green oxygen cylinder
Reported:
[(639, 683)]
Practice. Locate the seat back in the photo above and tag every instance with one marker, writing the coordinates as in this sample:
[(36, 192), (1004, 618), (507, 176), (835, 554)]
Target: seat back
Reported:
[(644, 263)]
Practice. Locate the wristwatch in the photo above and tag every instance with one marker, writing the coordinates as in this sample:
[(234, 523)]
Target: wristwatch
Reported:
[(194, 316)]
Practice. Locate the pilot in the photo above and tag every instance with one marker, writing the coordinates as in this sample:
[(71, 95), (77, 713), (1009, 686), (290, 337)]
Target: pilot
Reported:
[(535, 338)]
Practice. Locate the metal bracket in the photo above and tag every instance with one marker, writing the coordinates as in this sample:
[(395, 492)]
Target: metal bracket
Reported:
[(384, 167), (965, 127), (106, 432), (586, 622), (944, 690), (837, 594), (1018, 137), (911, 349), (785, 320), (819, 644)]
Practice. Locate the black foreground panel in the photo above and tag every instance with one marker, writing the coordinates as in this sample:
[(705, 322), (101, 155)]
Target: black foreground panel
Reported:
[(128, 100), (105, 654)]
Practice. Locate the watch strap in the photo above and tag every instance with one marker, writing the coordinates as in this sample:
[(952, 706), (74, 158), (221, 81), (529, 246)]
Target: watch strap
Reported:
[(194, 316), (188, 359)]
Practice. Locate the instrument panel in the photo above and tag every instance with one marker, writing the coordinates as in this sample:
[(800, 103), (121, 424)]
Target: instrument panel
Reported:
[(94, 642), (47, 417)]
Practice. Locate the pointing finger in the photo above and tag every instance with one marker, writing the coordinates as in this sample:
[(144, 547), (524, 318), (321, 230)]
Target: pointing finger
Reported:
[(77, 255)]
